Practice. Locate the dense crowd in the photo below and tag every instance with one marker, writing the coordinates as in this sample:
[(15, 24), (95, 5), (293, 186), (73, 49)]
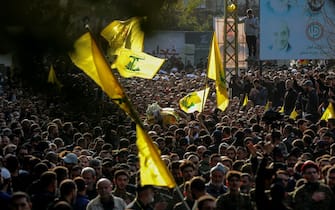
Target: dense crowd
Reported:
[(250, 156)]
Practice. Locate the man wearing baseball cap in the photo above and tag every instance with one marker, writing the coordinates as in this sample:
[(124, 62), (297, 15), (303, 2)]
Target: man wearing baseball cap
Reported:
[(313, 194)]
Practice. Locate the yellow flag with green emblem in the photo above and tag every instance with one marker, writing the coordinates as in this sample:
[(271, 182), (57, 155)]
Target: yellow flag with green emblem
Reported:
[(88, 57), (127, 34), (137, 64), (282, 109), (329, 113), (153, 170), (217, 73), (194, 101)]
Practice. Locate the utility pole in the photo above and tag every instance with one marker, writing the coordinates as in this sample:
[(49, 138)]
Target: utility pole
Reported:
[(230, 37)]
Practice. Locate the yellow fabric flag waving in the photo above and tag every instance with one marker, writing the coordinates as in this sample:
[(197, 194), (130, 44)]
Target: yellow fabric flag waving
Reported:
[(294, 114), (194, 101), (245, 101), (52, 78), (88, 57), (126, 34), (216, 72), (329, 113), (267, 106), (153, 170), (137, 64)]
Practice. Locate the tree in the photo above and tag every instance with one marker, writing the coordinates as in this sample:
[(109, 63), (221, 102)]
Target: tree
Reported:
[(187, 17)]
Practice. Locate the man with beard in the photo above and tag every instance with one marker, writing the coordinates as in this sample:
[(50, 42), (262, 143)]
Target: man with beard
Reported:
[(105, 200), (144, 198), (187, 170), (89, 175), (121, 180), (215, 186)]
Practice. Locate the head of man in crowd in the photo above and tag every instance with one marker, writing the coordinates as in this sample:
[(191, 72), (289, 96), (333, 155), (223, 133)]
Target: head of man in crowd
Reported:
[(217, 174), (89, 176), (308, 85), (83, 161), (20, 201), (283, 177), (198, 187), (195, 160), (70, 160), (81, 185), (331, 178), (145, 194), (68, 191), (48, 181), (310, 171), (104, 188), (247, 183), (206, 202), (234, 181), (97, 166), (187, 170), (121, 180)]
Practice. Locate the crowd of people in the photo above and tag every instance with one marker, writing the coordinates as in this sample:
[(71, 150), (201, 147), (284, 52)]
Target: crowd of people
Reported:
[(250, 156)]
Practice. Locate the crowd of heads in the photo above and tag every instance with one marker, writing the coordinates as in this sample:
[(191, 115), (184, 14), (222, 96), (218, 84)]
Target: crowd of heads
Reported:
[(48, 161)]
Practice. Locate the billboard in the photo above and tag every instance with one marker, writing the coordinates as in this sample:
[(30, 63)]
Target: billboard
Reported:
[(297, 29)]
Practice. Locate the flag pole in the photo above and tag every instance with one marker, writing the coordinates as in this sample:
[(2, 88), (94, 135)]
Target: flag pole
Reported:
[(206, 80), (204, 96), (182, 198), (206, 86)]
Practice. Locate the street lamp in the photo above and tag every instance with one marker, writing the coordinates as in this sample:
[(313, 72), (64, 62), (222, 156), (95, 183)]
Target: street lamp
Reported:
[(231, 7)]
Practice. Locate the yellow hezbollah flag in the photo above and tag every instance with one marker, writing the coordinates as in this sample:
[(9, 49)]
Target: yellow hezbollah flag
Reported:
[(216, 72), (294, 114), (52, 78), (245, 101), (153, 170), (329, 113), (137, 64), (126, 34), (88, 57), (282, 109), (194, 101)]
